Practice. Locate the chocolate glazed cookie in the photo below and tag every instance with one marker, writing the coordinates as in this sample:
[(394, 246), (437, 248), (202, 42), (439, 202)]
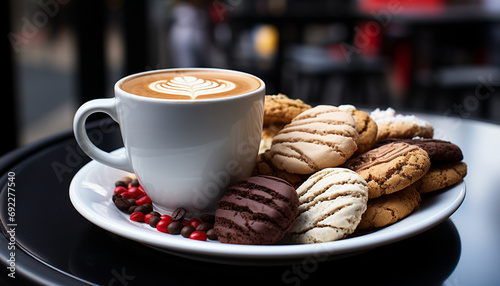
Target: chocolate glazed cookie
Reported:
[(257, 210)]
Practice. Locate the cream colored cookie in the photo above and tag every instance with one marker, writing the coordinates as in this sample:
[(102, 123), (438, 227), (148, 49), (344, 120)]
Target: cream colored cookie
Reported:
[(391, 167), (331, 203), (388, 209), (392, 125), (441, 176), (318, 138), (279, 109)]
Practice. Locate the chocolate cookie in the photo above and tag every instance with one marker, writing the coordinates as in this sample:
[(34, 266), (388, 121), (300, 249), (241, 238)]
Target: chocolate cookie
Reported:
[(318, 138), (332, 202), (440, 176), (388, 209), (264, 166), (438, 150), (257, 210), (392, 125), (391, 167), (280, 110)]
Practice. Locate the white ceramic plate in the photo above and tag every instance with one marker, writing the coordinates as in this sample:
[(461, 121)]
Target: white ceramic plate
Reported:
[(92, 187)]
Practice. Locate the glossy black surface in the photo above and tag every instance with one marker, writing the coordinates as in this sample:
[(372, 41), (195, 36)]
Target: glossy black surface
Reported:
[(56, 245)]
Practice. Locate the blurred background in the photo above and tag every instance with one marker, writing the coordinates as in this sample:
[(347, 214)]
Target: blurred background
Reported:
[(439, 56)]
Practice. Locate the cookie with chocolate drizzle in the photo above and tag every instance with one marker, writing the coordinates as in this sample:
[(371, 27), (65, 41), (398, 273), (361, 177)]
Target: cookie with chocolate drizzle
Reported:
[(390, 168)]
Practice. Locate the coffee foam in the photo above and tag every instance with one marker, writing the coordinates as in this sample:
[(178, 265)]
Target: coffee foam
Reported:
[(191, 84)]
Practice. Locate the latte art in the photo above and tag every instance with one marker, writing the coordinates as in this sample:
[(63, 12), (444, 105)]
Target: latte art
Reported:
[(191, 86)]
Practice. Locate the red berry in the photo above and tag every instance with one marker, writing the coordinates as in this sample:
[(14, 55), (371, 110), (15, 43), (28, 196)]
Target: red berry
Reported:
[(127, 195), (198, 235), (120, 190), (143, 200), (194, 222), (147, 217), (166, 217), (137, 216), (162, 225), (136, 193), (185, 222)]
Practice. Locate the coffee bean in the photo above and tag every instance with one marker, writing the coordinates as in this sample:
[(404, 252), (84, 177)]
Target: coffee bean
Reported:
[(207, 218), (155, 213), (121, 203), (120, 184), (204, 226), (131, 209), (187, 230), (134, 183), (127, 201), (179, 214), (115, 197), (153, 221), (145, 208), (175, 227), (211, 234)]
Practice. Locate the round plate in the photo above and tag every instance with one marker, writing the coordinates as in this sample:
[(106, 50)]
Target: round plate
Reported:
[(92, 188)]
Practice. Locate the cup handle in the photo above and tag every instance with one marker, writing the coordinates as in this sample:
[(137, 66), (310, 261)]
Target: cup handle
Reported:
[(104, 105)]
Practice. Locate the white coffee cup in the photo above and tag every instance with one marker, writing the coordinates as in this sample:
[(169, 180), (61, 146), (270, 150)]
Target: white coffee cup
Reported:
[(184, 152)]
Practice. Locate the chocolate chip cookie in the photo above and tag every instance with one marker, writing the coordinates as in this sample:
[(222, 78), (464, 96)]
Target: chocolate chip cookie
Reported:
[(388, 209), (280, 109), (391, 167), (440, 176)]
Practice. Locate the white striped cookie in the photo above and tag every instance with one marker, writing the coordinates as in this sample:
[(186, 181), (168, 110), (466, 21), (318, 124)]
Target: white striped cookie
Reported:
[(331, 203), (318, 138)]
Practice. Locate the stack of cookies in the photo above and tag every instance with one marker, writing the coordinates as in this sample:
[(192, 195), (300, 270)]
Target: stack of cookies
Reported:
[(352, 170)]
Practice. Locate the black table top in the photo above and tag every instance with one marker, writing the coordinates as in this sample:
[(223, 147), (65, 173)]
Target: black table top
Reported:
[(53, 244)]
